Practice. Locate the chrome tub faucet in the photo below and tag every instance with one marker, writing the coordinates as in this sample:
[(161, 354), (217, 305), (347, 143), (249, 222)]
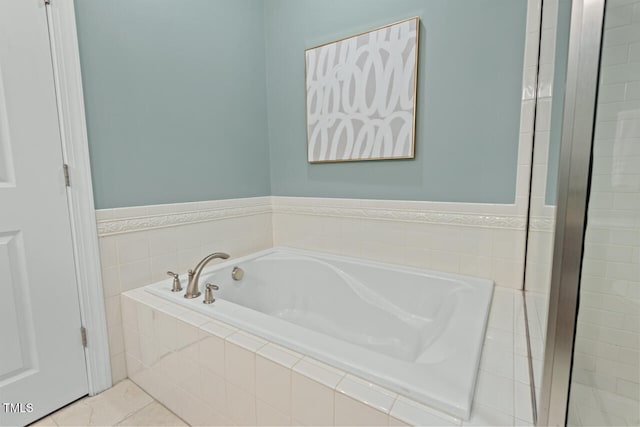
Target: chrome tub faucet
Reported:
[(194, 275)]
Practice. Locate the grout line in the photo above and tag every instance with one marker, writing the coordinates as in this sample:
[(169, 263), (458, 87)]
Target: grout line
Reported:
[(392, 405), (126, 417), (334, 393), (170, 411)]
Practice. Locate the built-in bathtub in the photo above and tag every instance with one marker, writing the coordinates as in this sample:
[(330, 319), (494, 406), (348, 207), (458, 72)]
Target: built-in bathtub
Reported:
[(416, 332)]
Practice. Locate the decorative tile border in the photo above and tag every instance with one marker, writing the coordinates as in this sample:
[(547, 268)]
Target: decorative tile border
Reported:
[(407, 215), (542, 224), (140, 223), (148, 218)]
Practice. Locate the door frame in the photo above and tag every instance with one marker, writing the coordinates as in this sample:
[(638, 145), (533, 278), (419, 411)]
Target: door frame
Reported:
[(63, 41)]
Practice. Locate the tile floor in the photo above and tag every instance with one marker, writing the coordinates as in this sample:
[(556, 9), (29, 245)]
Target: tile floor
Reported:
[(125, 404)]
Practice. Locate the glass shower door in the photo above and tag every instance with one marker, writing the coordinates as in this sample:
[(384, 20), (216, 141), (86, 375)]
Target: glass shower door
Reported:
[(605, 379)]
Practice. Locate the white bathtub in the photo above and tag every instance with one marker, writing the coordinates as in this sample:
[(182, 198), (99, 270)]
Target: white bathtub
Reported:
[(416, 332)]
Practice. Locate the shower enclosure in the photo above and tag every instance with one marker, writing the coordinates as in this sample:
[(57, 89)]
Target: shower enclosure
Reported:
[(582, 285)]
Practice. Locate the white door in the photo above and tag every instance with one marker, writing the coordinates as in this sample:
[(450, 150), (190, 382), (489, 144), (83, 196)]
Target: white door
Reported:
[(42, 364)]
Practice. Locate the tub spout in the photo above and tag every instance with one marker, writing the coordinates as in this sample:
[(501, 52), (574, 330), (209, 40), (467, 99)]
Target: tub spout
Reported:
[(193, 290)]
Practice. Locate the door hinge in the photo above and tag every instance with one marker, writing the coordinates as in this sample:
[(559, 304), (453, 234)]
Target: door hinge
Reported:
[(65, 169), (83, 333), (47, 2)]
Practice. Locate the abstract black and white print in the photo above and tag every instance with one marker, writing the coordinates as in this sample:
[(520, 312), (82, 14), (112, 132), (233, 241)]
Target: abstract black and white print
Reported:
[(361, 95)]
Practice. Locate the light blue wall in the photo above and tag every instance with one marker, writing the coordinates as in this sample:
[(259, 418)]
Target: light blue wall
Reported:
[(175, 99), (179, 107), (557, 102), (470, 82)]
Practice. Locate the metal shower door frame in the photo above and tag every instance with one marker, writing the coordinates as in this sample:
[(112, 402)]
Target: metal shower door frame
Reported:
[(574, 174)]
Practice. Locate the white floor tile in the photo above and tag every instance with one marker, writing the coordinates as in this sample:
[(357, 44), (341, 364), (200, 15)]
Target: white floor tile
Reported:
[(153, 414), (107, 408), (124, 404)]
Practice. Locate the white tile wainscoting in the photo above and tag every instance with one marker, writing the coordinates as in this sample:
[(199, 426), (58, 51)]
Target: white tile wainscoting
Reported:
[(480, 240), (139, 245), (210, 373)]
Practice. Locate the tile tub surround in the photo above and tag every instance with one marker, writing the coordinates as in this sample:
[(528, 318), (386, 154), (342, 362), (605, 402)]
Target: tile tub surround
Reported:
[(210, 373), (389, 325), (139, 245), (481, 240)]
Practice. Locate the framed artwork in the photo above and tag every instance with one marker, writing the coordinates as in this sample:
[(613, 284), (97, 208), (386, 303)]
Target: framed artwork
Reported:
[(361, 95)]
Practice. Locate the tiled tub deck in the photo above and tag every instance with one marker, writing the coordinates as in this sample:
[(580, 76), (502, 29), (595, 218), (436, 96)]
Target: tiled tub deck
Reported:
[(210, 373)]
